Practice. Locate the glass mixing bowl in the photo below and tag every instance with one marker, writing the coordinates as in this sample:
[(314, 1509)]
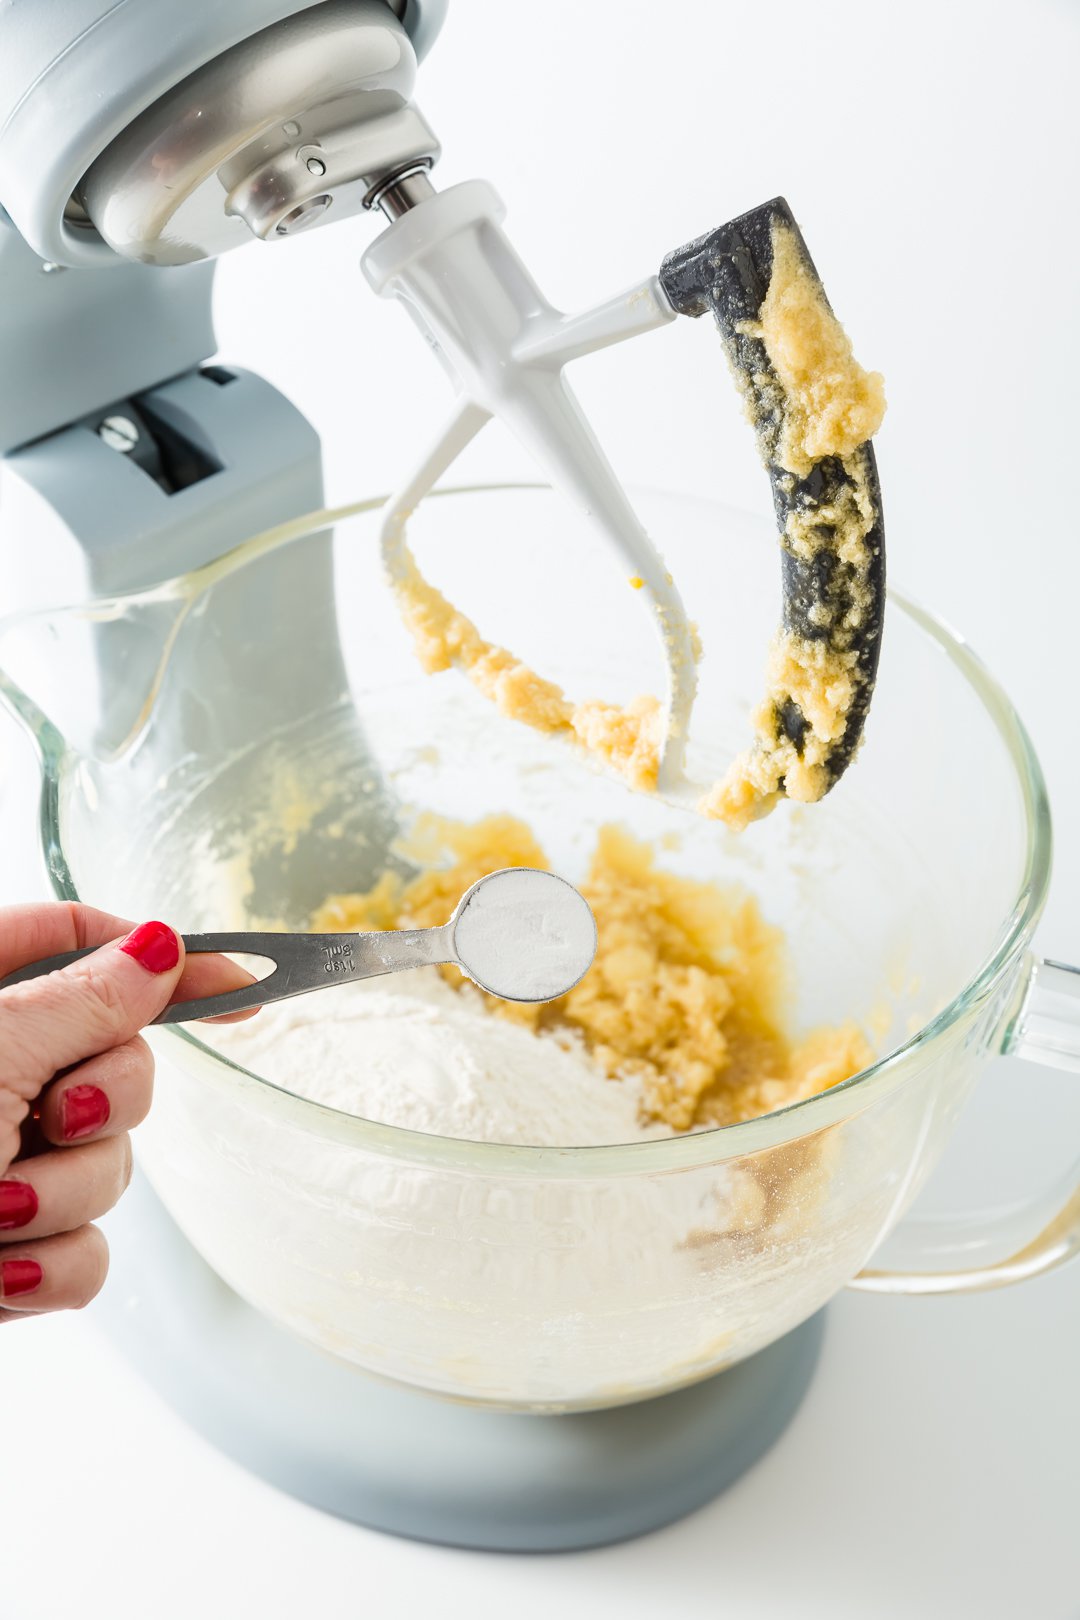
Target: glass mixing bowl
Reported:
[(217, 763)]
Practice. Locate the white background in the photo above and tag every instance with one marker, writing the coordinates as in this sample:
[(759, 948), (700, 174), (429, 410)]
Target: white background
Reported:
[(929, 153)]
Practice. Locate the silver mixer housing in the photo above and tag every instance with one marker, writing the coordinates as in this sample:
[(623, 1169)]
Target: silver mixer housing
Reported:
[(215, 161), (185, 128)]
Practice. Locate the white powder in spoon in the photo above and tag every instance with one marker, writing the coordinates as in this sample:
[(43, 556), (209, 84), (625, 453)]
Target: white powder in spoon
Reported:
[(525, 934), (411, 1051)]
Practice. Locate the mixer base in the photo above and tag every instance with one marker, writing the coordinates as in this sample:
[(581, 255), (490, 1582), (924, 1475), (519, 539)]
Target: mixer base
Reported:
[(414, 1465)]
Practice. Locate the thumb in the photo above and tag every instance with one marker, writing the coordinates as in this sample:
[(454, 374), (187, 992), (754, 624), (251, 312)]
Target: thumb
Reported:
[(89, 1007)]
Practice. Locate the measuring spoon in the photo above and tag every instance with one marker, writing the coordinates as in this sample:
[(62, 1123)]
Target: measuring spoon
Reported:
[(520, 934)]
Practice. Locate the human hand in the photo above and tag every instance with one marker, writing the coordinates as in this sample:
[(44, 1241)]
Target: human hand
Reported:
[(75, 1077)]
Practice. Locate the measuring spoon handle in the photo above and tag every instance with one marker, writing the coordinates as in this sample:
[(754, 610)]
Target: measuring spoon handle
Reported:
[(303, 962)]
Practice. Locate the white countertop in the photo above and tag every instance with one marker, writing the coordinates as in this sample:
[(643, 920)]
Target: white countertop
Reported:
[(932, 1470)]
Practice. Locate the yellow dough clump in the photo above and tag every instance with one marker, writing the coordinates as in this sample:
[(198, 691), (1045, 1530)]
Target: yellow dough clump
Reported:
[(821, 681), (831, 405), (627, 738)]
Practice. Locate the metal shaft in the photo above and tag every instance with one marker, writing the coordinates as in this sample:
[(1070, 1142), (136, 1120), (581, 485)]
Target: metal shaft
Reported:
[(399, 192)]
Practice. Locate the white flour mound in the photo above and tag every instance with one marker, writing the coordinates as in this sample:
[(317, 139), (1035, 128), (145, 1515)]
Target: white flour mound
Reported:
[(413, 1052)]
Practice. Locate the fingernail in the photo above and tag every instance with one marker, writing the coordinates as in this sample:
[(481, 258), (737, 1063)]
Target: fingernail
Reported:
[(19, 1277), (154, 946), (83, 1110), (18, 1204)]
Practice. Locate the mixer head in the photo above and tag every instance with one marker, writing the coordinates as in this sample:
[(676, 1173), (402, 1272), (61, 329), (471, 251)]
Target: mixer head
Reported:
[(166, 134), (274, 119), (302, 123)]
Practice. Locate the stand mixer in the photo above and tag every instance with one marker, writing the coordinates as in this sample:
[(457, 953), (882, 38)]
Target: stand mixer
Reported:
[(138, 142)]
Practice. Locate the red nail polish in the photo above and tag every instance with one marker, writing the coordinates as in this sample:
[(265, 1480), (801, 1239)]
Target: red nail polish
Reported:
[(83, 1110), (18, 1204), (19, 1277), (154, 946)]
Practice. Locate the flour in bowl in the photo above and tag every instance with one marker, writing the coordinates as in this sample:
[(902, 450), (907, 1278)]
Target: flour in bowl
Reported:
[(416, 1053)]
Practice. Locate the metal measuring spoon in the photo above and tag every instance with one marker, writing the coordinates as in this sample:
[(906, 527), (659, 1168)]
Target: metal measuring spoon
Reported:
[(520, 934)]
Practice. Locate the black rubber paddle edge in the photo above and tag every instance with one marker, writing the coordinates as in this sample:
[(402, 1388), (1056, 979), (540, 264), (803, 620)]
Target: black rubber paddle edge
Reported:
[(727, 272)]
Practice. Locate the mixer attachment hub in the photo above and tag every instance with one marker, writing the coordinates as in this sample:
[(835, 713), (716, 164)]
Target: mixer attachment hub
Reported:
[(308, 114)]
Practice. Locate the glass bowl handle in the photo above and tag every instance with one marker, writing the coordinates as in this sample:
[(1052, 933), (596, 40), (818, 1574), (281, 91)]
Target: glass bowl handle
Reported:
[(1046, 1029)]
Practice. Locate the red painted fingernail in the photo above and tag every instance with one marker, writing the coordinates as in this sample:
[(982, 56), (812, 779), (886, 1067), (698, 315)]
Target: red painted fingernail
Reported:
[(83, 1110), (19, 1277), (18, 1204), (154, 946)]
